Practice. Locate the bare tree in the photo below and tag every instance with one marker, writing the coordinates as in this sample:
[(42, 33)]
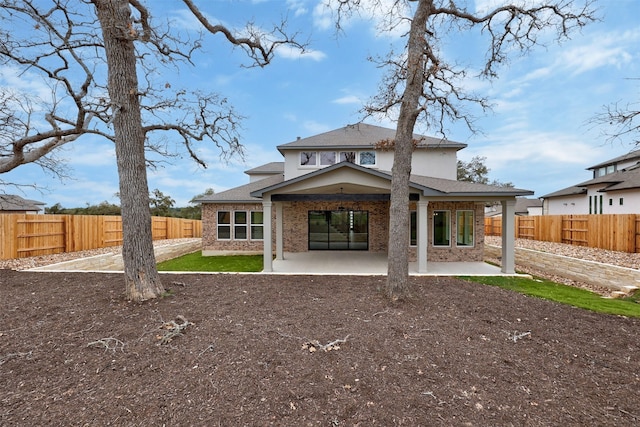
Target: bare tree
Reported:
[(89, 54), (621, 121), (422, 86)]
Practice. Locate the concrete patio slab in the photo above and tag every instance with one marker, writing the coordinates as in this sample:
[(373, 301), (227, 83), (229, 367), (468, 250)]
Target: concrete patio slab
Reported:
[(371, 264)]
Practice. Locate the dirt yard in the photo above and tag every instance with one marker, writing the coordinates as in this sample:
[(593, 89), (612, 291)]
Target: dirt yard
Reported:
[(235, 350)]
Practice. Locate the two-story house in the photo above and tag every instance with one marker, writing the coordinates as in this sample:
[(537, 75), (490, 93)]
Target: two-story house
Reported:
[(613, 189), (332, 193)]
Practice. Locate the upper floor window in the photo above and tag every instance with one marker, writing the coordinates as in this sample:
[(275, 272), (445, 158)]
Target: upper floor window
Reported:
[(327, 158), (308, 158), (367, 158), (348, 156)]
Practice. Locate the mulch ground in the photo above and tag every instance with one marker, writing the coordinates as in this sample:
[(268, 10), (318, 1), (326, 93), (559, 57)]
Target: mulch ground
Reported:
[(239, 350)]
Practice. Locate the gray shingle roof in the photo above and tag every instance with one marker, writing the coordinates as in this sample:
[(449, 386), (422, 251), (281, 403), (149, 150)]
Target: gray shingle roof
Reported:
[(273, 167), (10, 202), (361, 135), (624, 179), (428, 185), (569, 191), (242, 193), (625, 157)]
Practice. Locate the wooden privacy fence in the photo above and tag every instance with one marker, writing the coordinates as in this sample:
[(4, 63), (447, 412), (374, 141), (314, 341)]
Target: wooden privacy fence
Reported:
[(24, 235), (612, 232)]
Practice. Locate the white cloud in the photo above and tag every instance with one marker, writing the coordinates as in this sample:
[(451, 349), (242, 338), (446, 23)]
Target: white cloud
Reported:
[(348, 99), (298, 7), (291, 52)]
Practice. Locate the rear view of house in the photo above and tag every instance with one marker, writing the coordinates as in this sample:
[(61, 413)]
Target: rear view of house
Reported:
[(332, 192)]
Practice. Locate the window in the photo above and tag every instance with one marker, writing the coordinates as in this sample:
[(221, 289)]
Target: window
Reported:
[(441, 228), (224, 225), (348, 156), (257, 230), (464, 223), (367, 158), (240, 225), (610, 202), (621, 201), (327, 158), (413, 228), (600, 204), (308, 158), (590, 209)]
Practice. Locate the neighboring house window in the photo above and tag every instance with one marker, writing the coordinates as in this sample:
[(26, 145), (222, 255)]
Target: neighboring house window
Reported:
[(621, 201), (327, 158), (348, 156), (590, 210), (441, 228), (413, 228), (257, 229), (464, 223), (367, 158), (224, 225), (610, 202), (240, 225), (600, 204), (308, 158)]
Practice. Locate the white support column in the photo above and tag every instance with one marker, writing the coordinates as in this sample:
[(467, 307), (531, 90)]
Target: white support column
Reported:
[(508, 236), (279, 232), (268, 251), (422, 237)]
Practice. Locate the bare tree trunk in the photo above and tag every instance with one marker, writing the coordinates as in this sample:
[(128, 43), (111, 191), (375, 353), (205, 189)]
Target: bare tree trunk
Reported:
[(142, 281), (398, 268)]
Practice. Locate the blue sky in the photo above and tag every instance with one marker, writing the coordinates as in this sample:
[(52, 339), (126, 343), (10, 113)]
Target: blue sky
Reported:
[(538, 135)]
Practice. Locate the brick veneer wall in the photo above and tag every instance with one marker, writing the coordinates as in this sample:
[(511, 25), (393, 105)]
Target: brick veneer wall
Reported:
[(296, 228), (456, 253), (210, 244), (296, 223)]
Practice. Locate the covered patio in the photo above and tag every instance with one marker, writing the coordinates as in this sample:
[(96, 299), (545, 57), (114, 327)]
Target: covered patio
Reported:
[(360, 263)]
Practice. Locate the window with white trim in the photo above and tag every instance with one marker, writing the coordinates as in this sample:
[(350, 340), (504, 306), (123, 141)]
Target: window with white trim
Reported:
[(224, 225), (464, 224), (308, 158), (257, 225), (442, 228), (327, 158), (348, 156), (240, 225), (367, 158)]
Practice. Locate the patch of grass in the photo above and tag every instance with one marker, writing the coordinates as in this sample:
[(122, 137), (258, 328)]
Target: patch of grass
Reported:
[(227, 263), (563, 294)]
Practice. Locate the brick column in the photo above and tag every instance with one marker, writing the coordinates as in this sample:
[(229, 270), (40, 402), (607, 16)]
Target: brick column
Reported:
[(279, 231), (268, 251)]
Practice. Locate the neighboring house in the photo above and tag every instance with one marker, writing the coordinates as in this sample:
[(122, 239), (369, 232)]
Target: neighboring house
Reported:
[(614, 189), (524, 207), (332, 193), (17, 205)]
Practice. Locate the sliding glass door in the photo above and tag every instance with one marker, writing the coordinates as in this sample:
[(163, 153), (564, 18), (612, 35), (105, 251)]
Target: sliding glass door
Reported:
[(339, 230)]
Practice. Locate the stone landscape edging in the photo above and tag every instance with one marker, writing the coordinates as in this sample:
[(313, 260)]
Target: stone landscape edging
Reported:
[(113, 261), (595, 273)]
